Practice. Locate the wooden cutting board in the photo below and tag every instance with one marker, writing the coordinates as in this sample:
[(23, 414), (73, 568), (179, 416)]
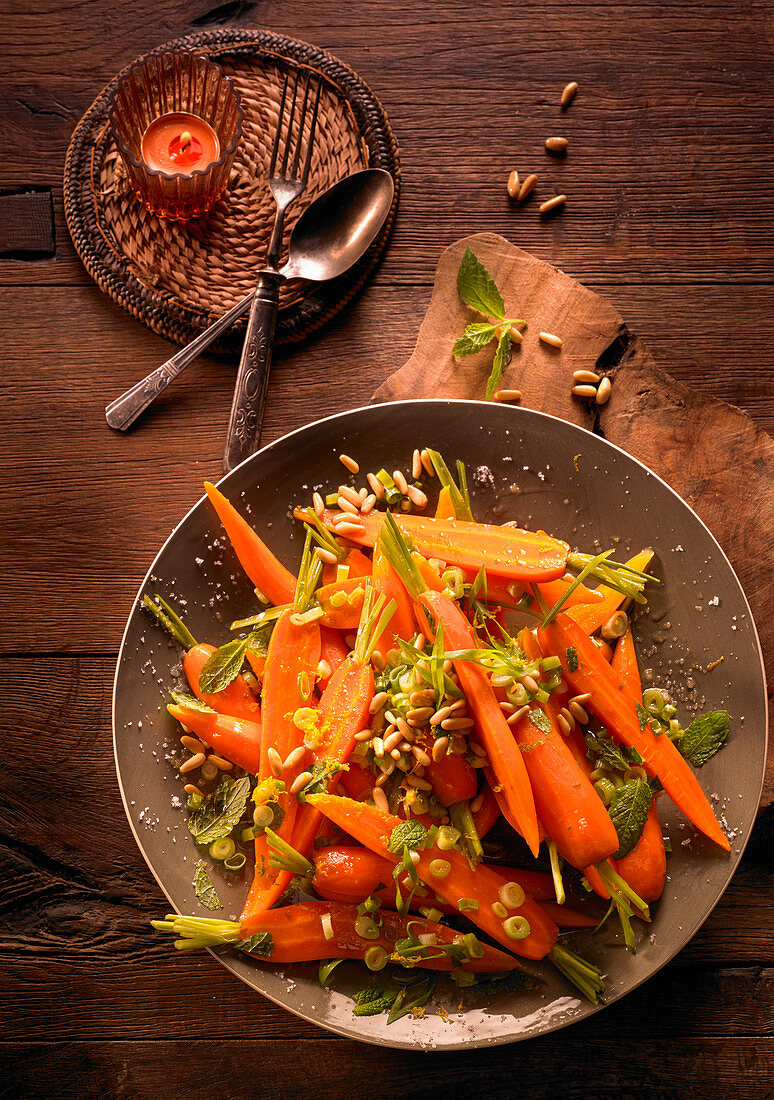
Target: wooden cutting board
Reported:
[(711, 453)]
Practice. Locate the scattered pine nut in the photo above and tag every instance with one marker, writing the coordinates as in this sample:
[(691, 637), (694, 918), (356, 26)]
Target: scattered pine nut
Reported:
[(376, 486), (457, 724), (420, 784), (568, 93), (400, 481), (324, 670), (191, 788), (378, 701), (192, 744), (347, 506), (378, 746), (513, 186), (439, 748), (564, 725), (568, 717), (368, 504), (416, 464), (416, 496), (347, 528), (319, 503), (385, 776), (507, 395), (516, 335), (392, 741), (530, 683), (527, 187), (364, 735), (420, 756), (552, 204), (477, 803), (582, 699), (578, 712), (299, 782), (604, 391), (379, 799), (192, 763), (549, 338), (294, 758), (419, 714), (219, 762), (275, 762), (517, 715), (474, 747), (427, 463), (557, 144), (349, 494), (350, 463), (589, 377), (326, 555), (585, 391)]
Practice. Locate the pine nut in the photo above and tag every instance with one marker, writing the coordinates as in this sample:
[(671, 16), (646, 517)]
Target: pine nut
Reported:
[(439, 748), (275, 761), (350, 495), (348, 528), (323, 670), (549, 338), (516, 335), (564, 725), (590, 377), (294, 758), (192, 744), (383, 778), (506, 707), (299, 782), (568, 93), (557, 144), (455, 708), (319, 503), (513, 186), (420, 714), (364, 735), (474, 747), (585, 391), (378, 746), (192, 763), (378, 701), (578, 712), (507, 395), (477, 803), (582, 698), (404, 728), (427, 463), (350, 463), (326, 556), (369, 503), (568, 717), (400, 481), (604, 391), (419, 784), (347, 506), (191, 788), (420, 756), (552, 204), (530, 683), (376, 486), (527, 187), (459, 746), (517, 716), (221, 764), (396, 754), (416, 464), (457, 724), (379, 799), (405, 746), (420, 698), (416, 496), (392, 741)]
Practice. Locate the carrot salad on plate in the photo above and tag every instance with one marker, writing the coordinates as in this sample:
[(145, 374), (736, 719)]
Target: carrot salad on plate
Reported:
[(423, 679)]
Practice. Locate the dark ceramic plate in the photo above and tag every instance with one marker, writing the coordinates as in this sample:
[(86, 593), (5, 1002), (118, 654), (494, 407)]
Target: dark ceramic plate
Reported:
[(523, 465)]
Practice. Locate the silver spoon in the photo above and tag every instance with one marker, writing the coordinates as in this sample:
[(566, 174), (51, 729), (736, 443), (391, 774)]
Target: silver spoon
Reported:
[(330, 236)]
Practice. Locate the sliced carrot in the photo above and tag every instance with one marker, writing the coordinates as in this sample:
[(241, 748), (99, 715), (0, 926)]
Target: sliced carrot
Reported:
[(299, 935), (594, 616), (387, 583), (373, 827), (267, 573), (452, 778), (444, 509), (615, 707), (495, 734), (333, 650), (342, 602), (507, 551), (237, 739), (487, 817), (235, 699)]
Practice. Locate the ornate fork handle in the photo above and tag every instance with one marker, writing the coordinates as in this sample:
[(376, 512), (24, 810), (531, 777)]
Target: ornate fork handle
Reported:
[(252, 379)]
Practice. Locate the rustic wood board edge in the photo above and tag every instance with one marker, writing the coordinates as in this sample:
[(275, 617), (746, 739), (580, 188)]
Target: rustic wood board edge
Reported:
[(711, 453)]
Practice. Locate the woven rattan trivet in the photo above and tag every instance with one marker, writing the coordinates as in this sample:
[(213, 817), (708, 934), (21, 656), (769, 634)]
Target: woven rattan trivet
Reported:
[(178, 277)]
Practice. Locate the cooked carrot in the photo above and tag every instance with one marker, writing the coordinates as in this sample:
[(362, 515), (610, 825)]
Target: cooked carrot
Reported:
[(458, 880), (486, 818), (237, 739), (452, 777), (267, 573), (235, 699), (333, 650), (594, 616), (444, 509), (288, 685), (357, 782), (568, 918), (506, 551), (644, 868), (325, 929), (358, 563), (569, 808), (387, 582), (342, 602), (615, 707)]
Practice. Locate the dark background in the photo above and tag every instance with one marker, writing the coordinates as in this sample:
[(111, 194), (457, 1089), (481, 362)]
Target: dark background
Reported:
[(670, 214)]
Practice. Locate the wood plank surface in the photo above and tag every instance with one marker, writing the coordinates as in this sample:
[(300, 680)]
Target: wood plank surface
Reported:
[(670, 215)]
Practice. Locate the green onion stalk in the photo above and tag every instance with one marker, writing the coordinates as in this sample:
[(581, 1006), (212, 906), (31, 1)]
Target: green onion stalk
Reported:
[(584, 975), (169, 620)]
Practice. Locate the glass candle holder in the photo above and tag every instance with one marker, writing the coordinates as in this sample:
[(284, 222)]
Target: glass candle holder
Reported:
[(177, 122)]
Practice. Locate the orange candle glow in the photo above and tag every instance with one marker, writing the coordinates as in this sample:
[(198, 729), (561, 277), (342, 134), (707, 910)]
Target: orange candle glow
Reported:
[(179, 144)]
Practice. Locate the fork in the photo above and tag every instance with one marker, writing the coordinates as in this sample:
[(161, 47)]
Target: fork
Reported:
[(286, 185)]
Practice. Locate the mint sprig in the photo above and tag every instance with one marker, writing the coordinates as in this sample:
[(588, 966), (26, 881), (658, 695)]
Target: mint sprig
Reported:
[(478, 290)]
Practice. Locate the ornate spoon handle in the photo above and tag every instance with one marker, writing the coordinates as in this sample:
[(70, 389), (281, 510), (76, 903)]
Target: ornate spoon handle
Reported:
[(244, 428), (123, 412)]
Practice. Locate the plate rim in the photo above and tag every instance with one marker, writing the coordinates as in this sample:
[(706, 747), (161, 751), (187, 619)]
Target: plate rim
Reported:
[(351, 1033)]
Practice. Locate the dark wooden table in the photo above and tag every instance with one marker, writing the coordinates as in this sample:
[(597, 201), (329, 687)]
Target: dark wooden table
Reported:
[(670, 213)]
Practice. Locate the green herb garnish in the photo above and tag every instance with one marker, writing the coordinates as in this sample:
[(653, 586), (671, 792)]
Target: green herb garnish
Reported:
[(704, 737), (629, 812), (409, 834), (478, 290), (183, 699), (370, 1002), (220, 811), (260, 943), (205, 891), (539, 718)]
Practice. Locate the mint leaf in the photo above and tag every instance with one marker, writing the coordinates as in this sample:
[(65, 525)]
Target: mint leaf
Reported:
[(607, 754), (260, 943), (642, 715), (572, 658), (183, 699), (500, 361), (402, 1005), (320, 772), (474, 339), (515, 981), (257, 641), (409, 834), (223, 666), (704, 737), (629, 812), (205, 891), (539, 718), (370, 1002), (477, 288), (220, 811)]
